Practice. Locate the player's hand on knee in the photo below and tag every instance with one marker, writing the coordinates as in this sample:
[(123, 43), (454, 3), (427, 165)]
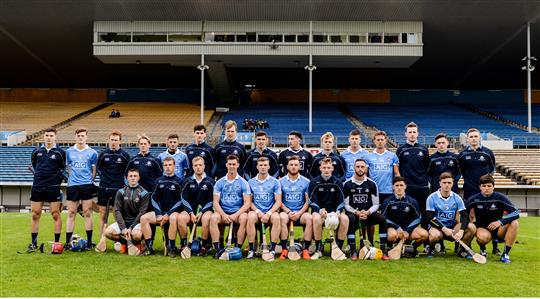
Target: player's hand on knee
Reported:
[(405, 235), (159, 218), (193, 217), (293, 216), (265, 218), (494, 225)]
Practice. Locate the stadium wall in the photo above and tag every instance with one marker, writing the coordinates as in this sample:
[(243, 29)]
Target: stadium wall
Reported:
[(53, 94)]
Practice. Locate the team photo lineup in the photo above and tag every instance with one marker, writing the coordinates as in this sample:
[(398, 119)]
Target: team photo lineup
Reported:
[(233, 195)]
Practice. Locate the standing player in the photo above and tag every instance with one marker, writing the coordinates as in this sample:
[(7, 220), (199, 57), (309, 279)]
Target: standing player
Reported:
[(475, 161), (260, 150), (353, 152), (326, 196), (111, 165), (130, 204), (362, 203), (81, 163), (442, 208), (199, 148), (295, 205), (48, 163), (295, 149), (229, 146), (383, 165), (180, 159), (403, 216), (327, 146), (496, 217), (167, 208), (198, 191), (413, 165), (148, 166), (264, 206), (232, 200), (441, 161)]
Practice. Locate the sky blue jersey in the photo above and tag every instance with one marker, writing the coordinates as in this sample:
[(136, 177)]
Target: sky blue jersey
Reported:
[(264, 192), (294, 192), (79, 163), (231, 193), (181, 164), (445, 208), (350, 157), (381, 169)]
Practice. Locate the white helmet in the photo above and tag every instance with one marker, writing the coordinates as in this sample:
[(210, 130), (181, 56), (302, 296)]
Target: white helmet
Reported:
[(332, 221)]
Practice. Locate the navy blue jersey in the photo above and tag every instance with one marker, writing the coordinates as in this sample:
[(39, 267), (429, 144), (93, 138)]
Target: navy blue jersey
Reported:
[(130, 204), (496, 207), (223, 150), (361, 195), (403, 212), (149, 169), (473, 165), (413, 164), (443, 162), (201, 150), (338, 162), (166, 196), (111, 166), (48, 166), (250, 168), (306, 159), (326, 194), (199, 194)]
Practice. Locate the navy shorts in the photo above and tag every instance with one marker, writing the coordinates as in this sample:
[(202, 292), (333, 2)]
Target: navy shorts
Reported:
[(106, 195), (81, 192), (47, 194)]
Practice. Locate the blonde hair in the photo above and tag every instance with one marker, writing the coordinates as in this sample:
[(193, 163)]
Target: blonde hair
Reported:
[(231, 123), (327, 135), (143, 136)]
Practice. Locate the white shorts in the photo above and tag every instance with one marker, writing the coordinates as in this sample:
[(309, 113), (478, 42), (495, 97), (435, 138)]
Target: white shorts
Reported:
[(117, 228)]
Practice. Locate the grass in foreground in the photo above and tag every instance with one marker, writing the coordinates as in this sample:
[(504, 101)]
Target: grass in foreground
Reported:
[(90, 274)]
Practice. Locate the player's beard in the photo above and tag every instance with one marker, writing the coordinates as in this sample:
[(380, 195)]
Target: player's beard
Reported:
[(360, 173)]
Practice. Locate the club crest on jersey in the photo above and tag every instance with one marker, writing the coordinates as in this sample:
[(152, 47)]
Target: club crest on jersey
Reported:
[(493, 207), (332, 190), (321, 189), (119, 160), (451, 163), (406, 209), (204, 187), (480, 206), (223, 151), (481, 158), (161, 185), (420, 154), (235, 152), (148, 163), (405, 153), (107, 159), (172, 188), (439, 163), (53, 156), (367, 190), (202, 154)]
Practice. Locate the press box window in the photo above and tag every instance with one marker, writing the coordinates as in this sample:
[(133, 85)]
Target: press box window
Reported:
[(149, 37), (113, 37)]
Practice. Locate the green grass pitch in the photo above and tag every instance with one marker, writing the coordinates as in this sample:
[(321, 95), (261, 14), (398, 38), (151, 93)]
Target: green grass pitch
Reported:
[(90, 274)]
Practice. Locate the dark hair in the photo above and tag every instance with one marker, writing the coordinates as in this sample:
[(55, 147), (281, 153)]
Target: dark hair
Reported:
[(354, 132), (169, 159), (360, 160), (486, 179), (325, 161), (296, 133), (441, 135), (199, 128), (80, 130), (261, 133), (133, 170), (411, 125), (233, 157), (472, 130), (446, 175), (172, 136), (397, 179), (294, 157), (51, 130), (116, 133)]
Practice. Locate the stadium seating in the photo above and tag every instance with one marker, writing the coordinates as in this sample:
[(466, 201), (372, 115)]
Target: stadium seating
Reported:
[(36, 116), (433, 119), (284, 118), (517, 113), (521, 164), (16, 161), (157, 120)]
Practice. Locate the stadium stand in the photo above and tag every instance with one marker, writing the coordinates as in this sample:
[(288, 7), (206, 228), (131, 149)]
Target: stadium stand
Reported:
[(521, 164), (36, 116), (516, 113), (157, 120), (284, 118), (433, 119)]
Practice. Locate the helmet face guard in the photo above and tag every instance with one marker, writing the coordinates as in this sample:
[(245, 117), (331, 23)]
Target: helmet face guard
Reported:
[(57, 248)]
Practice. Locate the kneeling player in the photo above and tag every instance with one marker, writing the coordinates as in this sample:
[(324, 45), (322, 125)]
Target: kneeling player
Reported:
[(198, 191), (232, 199), (361, 203), (403, 216), (326, 196), (295, 203), (441, 209), (265, 205), (167, 209), (130, 204), (496, 217)]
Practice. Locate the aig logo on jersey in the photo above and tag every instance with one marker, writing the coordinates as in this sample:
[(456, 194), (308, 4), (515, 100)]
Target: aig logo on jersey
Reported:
[(360, 198)]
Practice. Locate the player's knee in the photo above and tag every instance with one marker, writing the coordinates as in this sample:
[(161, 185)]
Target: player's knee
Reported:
[(343, 220), (483, 236), (434, 235), (36, 214), (514, 224), (55, 215), (242, 219), (136, 235), (391, 235), (214, 219), (275, 219), (252, 218), (284, 218), (471, 228), (423, 234)]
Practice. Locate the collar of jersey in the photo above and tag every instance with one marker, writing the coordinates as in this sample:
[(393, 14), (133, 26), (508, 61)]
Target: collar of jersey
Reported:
[(374, 152), (400, 198), (469, 148), (359, 182), (349, 150), (43, 146), (299, 150), (195, 177), (442, 197), (85, 148), (262, 152), (235, 178), (293, 181), (257, 178), (167, 151)]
